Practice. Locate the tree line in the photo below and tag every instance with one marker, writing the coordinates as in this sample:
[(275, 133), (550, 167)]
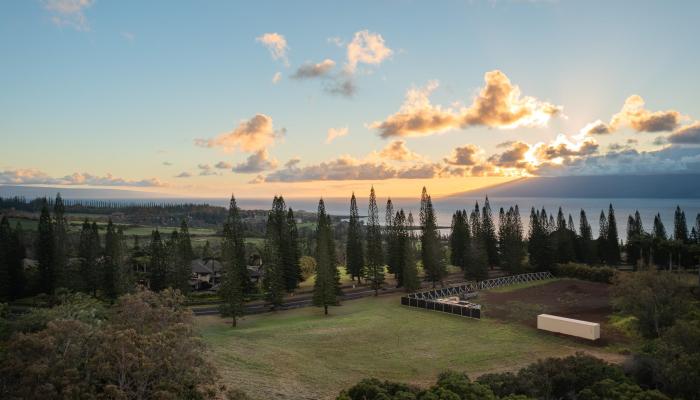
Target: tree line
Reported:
[(96, 264), (476, 245)]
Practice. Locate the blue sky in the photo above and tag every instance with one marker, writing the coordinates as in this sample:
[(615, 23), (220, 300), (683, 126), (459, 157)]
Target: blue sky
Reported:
[(112, 90)]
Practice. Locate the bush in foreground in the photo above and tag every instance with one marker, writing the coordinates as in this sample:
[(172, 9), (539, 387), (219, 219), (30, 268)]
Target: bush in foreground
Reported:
[(145, 347), (578, 377)]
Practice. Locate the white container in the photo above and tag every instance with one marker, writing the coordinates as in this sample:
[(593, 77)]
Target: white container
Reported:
[(568, 326)]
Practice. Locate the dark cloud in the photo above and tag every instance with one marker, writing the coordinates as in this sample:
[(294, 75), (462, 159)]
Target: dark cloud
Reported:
[(256, 162), (311, 70), (467, 155), (686, 135)]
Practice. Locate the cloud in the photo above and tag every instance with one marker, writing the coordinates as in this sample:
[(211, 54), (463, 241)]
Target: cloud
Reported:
[(293, 162), (522, 158), (336, 41), (276, 44), (368, 48), (26, 176), (311, 70), (183, 174), (341, 85), (419, 171), (69, 13), (206, 170), (223, 165), (258, 179), (397, 151), (634, 115), (334, 133), (499, 104), (668, 160), (31, 176), (276, 77), (417, 116), (249, 136), (596, 128), (562, 148), (689, 134), (256, 162), (467, 155), (513, 157), (349, 168)]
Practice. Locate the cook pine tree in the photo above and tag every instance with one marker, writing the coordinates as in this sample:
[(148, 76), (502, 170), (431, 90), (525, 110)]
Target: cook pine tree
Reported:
[(431, 249), (374, 272), (327, 284), (353, 250), (235, 279)]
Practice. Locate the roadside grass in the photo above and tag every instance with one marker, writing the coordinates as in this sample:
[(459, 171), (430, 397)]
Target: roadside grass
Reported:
[(301, 354)]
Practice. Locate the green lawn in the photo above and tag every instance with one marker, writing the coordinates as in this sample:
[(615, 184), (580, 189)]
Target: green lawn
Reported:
[(300, 354)]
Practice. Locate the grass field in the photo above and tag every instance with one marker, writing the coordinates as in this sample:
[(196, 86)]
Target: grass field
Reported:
[(300, 354)]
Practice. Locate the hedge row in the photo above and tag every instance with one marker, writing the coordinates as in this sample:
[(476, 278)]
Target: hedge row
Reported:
[(585, 272)]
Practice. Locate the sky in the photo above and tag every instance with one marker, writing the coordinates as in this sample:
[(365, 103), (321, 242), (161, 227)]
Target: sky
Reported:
[(320, 98)]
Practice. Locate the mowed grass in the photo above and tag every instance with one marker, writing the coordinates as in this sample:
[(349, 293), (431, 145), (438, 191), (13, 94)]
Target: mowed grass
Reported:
[(301, 354)]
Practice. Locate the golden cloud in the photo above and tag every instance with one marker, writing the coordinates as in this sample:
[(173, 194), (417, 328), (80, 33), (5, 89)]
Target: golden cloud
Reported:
[(249, 136), (634, 115), (334, 133), (398, 151), (499, 104), (368, 48), (276, 44)]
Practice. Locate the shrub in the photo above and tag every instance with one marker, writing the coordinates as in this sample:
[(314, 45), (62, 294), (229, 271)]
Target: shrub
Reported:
[(585, 272), (308, 266)]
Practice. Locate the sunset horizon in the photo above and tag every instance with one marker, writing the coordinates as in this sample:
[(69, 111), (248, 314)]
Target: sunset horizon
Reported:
[(341, 106)]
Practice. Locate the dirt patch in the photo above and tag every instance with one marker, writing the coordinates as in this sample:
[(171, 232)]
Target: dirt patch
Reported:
[(588, 301)]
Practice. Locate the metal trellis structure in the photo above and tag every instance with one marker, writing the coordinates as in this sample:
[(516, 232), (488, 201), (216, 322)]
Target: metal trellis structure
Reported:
[(452, 299)]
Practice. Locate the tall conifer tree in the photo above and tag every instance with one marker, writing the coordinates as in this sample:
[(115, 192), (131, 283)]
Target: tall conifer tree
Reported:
[(327, 283), (354, 255), (158, 263), (294, 248), (5, 243), (182, 268), (235, 281), (45, 250), (390, 238), (112, 279), (273, 260), (375, 254), (489, 233), (431, 251), (613, 240), (411, 282), (61, 247)]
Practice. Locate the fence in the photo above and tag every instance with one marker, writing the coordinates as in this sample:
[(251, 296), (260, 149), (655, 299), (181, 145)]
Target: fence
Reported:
[(432, 299)]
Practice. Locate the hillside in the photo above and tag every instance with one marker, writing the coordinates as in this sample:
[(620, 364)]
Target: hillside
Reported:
[(677, 186)]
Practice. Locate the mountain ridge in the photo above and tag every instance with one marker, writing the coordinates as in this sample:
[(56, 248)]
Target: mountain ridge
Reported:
[(595, 186)]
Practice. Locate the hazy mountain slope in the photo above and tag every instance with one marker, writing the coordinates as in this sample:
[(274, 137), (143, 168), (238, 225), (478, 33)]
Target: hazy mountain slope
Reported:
[(605, 186)]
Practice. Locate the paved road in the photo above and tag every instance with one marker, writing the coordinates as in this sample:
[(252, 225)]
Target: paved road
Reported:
[(306, 300)]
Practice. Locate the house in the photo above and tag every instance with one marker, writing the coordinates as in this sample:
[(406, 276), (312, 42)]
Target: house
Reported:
[(206, 273)]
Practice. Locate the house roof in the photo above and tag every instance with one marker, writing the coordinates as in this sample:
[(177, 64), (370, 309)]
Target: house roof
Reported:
[(200, 268)]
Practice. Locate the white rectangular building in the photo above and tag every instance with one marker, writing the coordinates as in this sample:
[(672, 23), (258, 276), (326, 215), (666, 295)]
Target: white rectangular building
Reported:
[(568, 326)]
